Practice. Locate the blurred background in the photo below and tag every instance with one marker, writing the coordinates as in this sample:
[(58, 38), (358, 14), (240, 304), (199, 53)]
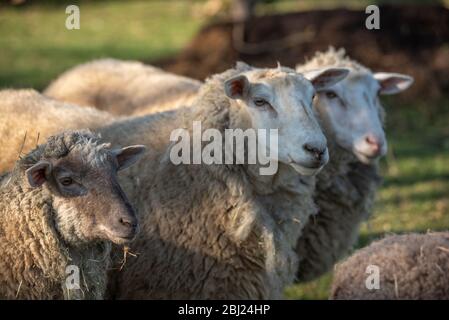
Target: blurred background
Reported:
[(199, 37)]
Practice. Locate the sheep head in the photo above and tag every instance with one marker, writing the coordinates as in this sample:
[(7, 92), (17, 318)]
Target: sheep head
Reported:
[(81, 175), (350, 110), (280, 98)]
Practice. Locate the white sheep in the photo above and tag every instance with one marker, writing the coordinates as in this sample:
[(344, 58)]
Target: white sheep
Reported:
[(406, 267), (351, 116), (59, 210), (27, 118), (224, 231), (123, 87)]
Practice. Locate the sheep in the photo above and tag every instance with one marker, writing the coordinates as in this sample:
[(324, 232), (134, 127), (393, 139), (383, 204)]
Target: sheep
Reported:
[(352, 119), (408, 266), (123, 87), (61, 207), (224, 231), (26, 117)]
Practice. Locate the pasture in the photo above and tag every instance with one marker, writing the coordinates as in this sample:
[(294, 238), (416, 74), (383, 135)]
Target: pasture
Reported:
[(36, 47)]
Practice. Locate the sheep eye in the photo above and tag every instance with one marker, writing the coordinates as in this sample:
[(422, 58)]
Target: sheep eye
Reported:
[(66, 181), (331, 95), (260, 102)]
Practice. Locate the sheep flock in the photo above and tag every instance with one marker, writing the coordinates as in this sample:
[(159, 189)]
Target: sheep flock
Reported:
[(235, 187)]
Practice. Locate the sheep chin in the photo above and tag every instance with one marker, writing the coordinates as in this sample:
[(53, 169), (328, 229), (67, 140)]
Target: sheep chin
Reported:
[(304, 170)]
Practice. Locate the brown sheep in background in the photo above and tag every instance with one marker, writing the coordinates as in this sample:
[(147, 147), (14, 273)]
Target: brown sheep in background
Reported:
[(411, 266)]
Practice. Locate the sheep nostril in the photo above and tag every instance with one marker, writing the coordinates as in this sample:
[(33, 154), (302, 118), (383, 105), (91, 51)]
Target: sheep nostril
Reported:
[(126, 222), (370, 139), (317, 152), (308, 148)]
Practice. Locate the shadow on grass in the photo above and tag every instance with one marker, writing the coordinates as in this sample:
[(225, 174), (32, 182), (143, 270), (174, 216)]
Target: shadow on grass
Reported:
[(416, 197), (419, 178)]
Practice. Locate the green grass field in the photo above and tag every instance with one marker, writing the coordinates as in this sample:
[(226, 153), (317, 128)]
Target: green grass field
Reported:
[(36, 47)]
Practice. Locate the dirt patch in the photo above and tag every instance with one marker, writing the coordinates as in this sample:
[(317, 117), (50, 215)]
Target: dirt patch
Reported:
[(412, 40)]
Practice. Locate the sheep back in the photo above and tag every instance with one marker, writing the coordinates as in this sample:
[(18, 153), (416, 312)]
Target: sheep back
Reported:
[(411, 266), (123, 87), (27, 118)]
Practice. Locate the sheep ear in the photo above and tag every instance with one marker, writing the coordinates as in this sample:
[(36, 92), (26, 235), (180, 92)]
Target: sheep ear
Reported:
[(38, 174), (326, 77), (237, 87), (128, 156), (392, 83)]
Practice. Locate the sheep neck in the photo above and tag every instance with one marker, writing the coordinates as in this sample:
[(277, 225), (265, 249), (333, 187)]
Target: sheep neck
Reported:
[(286, 196), (338, 164)]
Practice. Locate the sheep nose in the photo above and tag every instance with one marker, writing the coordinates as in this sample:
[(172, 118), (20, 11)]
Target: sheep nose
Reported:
[(317, 152), (373, 143), (128, 222)]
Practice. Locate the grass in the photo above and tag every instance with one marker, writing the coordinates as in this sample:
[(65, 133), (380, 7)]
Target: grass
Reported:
[(36, 47)]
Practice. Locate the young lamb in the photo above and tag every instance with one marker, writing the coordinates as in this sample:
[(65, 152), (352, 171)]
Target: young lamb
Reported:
[(60, 207), (27, 117), (351, 116), (410, 266), (225, 231), (123, 87)]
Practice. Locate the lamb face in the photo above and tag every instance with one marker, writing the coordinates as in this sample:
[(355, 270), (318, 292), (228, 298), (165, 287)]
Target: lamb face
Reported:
[(282, 99), (351, 111), (88, 200)]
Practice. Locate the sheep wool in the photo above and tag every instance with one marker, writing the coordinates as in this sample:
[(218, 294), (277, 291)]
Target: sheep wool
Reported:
[(123, 87), (36, 262), (345, 194), (28, 118), (218, 231), (409, 266)]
